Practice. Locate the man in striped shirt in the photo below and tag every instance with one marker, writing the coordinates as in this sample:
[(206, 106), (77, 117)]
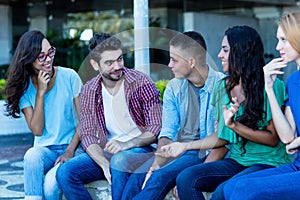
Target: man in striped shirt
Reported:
[(120, 117)]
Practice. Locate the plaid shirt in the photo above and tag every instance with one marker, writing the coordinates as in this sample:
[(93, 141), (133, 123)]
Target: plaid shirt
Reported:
[(142, 98)]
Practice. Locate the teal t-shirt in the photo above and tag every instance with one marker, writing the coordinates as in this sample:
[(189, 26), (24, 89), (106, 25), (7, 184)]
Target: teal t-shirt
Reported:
[(252, 153), (60, 117)]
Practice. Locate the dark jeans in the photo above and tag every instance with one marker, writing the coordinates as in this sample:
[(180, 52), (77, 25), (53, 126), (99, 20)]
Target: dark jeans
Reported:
[(73, 174), (207, 177), (125, 164), (80, 170), (281, 183), (162, 180)]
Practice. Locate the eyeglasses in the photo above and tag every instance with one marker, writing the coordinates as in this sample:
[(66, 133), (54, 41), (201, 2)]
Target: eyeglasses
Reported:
[(43, 56)]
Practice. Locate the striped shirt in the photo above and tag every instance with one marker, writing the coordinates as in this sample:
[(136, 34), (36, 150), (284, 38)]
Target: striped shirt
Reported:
[(142, 98)]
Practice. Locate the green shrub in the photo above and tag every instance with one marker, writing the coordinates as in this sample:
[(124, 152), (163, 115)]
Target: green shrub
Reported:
[(161, 86), (2, 84), (3, 71)]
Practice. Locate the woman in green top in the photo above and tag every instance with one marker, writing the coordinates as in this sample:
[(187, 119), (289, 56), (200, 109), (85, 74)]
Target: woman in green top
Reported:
[(244, 120)]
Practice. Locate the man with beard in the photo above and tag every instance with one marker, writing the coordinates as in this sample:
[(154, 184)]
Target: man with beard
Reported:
[(120, 117)]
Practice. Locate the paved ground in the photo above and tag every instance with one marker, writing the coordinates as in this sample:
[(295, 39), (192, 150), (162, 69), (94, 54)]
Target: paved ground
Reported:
[(12, 149)]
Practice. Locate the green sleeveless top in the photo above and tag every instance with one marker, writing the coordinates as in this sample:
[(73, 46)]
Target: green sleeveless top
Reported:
[(252, 153)]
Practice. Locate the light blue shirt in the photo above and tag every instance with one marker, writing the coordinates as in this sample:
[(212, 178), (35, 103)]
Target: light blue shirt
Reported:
[(60, 116), (175, 105)]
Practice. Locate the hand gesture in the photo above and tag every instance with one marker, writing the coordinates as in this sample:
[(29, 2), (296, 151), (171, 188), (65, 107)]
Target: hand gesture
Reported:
[(42, 81), (148, 175), (230, 112), (272, 69), (115, 146), (63, 158), (171, 150)]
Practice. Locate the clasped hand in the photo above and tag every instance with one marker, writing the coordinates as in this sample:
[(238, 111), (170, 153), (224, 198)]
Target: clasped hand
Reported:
[(293, 147), (115, 146), (174, 149)]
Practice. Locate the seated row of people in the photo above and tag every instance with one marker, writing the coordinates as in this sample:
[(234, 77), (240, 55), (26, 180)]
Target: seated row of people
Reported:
[(214, 131)]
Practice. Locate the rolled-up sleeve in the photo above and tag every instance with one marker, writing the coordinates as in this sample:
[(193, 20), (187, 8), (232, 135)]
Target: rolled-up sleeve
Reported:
[(170, 115), (152, 108), (90, 129), (143, 100)]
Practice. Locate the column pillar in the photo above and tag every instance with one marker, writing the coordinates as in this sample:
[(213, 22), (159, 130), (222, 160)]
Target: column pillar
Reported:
[(38, 17), (141, 36), (5, 34)]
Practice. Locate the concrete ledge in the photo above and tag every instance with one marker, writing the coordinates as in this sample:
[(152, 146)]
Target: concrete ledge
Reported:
[(10, 125), (101, 190)]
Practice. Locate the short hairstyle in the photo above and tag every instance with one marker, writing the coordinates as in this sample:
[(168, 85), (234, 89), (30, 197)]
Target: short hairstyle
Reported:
[(290, 24), (102, 42), (192, 41)]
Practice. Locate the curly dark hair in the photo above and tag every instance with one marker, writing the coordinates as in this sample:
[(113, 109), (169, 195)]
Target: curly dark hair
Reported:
[(246, 62), (102, 42), (97, 39), (20, 69)]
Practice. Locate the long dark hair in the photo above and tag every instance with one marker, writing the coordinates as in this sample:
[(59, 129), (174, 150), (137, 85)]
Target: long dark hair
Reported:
[(246, 62), (21, 69)]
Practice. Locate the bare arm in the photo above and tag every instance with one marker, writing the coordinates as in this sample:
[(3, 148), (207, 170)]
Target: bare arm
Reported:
[(176, 148), (144, 139), (284, 122), (96, 153), (266, 137), (70, 151), (158, 160), (35, 117), (216, 154)]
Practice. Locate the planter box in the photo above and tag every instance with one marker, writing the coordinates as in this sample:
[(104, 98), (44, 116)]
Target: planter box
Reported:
[(10, 125)]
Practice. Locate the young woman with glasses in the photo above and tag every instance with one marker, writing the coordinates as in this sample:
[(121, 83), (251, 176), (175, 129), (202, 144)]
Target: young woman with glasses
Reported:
[(48, 96)]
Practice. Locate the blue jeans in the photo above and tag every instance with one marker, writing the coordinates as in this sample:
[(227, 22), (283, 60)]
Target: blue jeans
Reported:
[(81, 169), (39, 172), (207, 177), (218, 193), (124, 164), (162, 180), (73, 174), (271, 184)]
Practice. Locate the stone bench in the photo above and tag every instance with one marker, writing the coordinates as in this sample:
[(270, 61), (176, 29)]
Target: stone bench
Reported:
[(100, 190)]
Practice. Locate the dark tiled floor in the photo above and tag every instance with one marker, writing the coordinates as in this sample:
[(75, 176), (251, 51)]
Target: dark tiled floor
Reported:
[(12, 150)]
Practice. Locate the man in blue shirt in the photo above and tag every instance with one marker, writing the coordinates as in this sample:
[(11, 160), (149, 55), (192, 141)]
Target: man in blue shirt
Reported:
[(187, 116)]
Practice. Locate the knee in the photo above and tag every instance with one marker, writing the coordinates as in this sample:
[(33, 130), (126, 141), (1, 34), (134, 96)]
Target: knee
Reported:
[(119, 162), (189, 179), (50, 178), (228, 188), (181, 179), (64, 174), (236, 188), (33, 155), (50, 185)]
